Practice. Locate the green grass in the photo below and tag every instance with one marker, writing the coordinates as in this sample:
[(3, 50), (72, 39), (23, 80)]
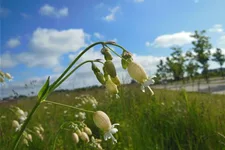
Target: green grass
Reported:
[(170, 120)]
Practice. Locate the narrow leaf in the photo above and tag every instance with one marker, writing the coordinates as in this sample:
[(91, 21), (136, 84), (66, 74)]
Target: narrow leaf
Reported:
[(44, 89)]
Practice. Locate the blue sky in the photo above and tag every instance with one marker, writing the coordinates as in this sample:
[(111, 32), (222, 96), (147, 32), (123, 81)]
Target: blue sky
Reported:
[(40, 37)]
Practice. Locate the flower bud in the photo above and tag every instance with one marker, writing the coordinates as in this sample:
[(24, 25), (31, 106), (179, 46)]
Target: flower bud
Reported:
[(15, 124), (110, 68), (106, 53), (29, 137), (94, 68), (111, 87), (137, 72), (2, 74), (1, 80), (100, 77), (102, 121), (75, 138), (127, 57), (88, 130), (78, 132), (84, 137), (8, 76), (116, 80), (25, 142)]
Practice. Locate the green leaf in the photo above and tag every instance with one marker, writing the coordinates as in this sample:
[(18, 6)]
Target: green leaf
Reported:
[(44, 89)]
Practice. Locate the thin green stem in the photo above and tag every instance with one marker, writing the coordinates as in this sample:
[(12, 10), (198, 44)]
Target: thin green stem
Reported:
[(89, 111), (114, 52), (70, 66), (25, 125), (61, 81), (114, 44)]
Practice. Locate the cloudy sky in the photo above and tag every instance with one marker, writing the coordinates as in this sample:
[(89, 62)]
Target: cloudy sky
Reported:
[(39, 38)]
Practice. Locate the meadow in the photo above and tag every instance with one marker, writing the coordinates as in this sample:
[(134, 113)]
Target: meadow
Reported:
[(169, 120)]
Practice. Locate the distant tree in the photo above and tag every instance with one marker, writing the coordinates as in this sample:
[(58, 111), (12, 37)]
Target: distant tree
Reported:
[(202, 48), (192, 66), (219, 58), (161, 70), (175, 63)]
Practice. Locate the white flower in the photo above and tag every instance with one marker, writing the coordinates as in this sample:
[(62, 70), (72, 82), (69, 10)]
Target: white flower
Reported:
[(110, 132), (103, 122)]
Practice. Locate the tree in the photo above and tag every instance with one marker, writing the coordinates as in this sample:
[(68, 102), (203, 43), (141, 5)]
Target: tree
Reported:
[(219, 58), (202, 48), (162, 70), (192, 66), (175, 63)]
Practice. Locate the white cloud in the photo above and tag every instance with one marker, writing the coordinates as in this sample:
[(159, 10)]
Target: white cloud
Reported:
[(139, 1), (147, 44), (176, 39), (48, 10), (13, 42), (218, 28), (221, 41), (4, 12), (111, 16), (48, 45), (98, 35), (7, 61)]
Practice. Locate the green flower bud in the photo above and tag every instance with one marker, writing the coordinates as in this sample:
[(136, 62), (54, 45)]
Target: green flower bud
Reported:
[(110, 68), (127, 58), (106, 54), (100, 77), (116, 80), (94, 68), (111, 87)]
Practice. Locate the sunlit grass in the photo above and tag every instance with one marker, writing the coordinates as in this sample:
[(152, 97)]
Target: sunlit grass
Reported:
[(168, 120)]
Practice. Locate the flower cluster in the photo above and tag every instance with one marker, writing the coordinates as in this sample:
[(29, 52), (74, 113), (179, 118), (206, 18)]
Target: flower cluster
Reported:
[(86, 99), (83, 132)]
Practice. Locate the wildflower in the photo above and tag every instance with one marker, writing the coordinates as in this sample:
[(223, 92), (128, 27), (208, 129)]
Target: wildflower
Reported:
[(103, 122), (137, 72), (84, 137), (116, 80), (106, 53), (16, 125), (75, 138), (82, 115), (21, 114), (88, 130)]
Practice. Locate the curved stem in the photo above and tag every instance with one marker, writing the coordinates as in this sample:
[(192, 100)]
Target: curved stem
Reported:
[(114, 52), (89, 111), (114, 44), (74, 61), (60, 82), (25, 125)]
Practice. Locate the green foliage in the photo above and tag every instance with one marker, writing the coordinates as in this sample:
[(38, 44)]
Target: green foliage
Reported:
[(201, 47), (219, 58), (168, 120)]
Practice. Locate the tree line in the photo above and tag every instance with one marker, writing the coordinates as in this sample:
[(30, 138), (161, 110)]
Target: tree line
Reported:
[(180, 65)]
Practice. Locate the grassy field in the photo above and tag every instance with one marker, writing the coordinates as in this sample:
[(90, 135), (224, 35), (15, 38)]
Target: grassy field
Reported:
[(170, 120)]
